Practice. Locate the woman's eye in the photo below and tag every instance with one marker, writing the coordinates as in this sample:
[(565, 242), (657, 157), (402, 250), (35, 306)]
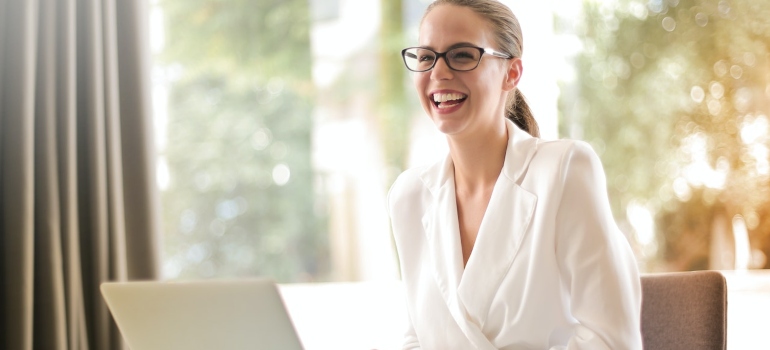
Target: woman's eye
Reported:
[(462, 55), (425, 58)]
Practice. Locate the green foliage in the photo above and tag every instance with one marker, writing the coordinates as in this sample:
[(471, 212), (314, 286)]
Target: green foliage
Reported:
[(663, 81), (393, 105), (262, 38), (239, 117)]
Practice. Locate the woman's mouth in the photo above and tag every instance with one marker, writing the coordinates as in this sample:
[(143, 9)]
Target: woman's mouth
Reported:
[(448, 100)]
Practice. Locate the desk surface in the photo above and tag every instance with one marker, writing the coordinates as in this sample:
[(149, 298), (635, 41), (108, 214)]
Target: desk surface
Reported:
[(361, 316)]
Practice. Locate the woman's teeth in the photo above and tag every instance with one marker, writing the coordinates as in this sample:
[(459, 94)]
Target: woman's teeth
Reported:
[(447, 97), (448, 100)]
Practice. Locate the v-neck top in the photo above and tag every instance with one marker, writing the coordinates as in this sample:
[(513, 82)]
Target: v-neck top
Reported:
[(549, 269)]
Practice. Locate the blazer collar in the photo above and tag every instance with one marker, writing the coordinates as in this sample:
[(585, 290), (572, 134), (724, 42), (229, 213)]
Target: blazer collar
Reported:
[(521, 147), (468, 291)]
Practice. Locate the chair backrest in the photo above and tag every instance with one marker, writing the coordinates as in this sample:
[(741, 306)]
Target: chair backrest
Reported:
[(684, 310)]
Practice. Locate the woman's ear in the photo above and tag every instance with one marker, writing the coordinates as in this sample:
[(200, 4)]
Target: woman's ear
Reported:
[(513, 74)]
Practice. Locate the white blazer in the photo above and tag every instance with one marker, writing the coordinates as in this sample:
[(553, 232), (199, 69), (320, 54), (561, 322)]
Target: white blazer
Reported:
[(549, 269)]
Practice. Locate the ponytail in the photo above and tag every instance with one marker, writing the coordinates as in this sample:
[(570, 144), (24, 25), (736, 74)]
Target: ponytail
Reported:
[(517, 110)]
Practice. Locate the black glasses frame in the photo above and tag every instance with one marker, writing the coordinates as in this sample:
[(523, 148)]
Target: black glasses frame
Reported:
[(482, 51)]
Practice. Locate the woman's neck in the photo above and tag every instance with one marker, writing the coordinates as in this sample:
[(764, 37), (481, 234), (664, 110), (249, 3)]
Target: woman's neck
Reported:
[(478, 159)]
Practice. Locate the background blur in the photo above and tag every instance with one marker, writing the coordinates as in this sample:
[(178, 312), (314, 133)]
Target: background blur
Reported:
[(282, 123)]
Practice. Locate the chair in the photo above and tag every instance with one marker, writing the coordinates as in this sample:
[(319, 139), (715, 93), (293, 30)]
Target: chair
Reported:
[(684, 310)]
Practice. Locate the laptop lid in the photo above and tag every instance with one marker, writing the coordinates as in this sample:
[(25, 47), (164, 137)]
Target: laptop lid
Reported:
[(227, 315)]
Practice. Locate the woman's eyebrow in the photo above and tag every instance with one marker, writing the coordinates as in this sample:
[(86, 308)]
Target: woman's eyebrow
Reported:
[(453, 46), (461, 44)]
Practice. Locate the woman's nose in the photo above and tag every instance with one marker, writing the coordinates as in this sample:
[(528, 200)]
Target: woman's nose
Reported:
[(441, 70)]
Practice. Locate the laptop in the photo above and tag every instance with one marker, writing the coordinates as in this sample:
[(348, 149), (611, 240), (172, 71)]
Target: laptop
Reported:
[(203, 315)]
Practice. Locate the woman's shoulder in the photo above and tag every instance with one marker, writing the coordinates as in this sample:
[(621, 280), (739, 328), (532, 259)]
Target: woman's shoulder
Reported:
[(565, 156), (408, 180), (565, 147), (408, 195), (407, 185), (565, 152)]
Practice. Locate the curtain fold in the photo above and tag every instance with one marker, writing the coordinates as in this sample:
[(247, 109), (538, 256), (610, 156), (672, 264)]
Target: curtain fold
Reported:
[(143, 215), (17, 205), (78, 205), (67, 171), (48, 301)]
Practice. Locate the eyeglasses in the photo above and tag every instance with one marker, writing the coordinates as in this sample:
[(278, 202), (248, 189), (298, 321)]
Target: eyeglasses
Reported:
[(464, 58)]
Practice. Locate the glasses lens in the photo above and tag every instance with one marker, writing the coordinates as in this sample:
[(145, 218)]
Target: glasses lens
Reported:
[(419, 60), (464, 58)]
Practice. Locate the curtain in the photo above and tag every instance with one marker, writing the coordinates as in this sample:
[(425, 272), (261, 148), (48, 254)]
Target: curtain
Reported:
[(78, 204)]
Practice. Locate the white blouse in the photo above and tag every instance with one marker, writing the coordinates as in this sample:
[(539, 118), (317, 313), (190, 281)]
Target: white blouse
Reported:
[(549, 269)]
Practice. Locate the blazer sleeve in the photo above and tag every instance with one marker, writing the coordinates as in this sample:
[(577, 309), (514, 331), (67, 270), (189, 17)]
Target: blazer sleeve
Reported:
[(395, 194), (596, 265)]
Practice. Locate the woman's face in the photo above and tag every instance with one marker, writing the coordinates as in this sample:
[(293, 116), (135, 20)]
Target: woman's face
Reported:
[(477, 97)]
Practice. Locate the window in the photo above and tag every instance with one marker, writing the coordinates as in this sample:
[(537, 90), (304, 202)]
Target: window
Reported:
[(240, 197)]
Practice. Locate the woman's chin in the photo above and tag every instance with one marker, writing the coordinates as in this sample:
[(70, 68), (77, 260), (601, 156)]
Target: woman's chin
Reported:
[(448, 127)]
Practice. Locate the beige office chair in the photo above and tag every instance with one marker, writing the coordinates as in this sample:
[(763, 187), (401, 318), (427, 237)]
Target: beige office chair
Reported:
[(684, 310)]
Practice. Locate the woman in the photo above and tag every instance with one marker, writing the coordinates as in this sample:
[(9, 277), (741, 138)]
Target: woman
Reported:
[(509, 242)]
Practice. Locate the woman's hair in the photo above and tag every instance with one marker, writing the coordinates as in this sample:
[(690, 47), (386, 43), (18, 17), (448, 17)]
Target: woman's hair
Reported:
[(509, 39)]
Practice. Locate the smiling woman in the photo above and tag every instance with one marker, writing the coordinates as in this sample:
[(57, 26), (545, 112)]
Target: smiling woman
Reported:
[(472, 228), (464, 56)]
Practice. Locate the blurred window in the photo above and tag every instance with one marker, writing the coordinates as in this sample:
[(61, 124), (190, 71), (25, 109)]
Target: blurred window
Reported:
[(234, 100), (673, 95)]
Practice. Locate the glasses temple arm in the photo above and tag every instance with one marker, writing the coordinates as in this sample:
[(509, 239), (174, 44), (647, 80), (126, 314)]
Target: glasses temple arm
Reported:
[(497, 54)]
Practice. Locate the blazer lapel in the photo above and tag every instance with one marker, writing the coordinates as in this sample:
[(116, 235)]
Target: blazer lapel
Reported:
[(502, 231), (468, 293), (442, 230), (443, 237), (503, 228)]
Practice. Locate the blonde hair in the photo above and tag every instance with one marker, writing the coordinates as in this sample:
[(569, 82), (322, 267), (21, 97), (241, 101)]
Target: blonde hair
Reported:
[(509, 40)]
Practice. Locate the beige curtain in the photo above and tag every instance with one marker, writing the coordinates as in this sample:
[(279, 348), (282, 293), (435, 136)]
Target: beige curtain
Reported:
[(78, 204)]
